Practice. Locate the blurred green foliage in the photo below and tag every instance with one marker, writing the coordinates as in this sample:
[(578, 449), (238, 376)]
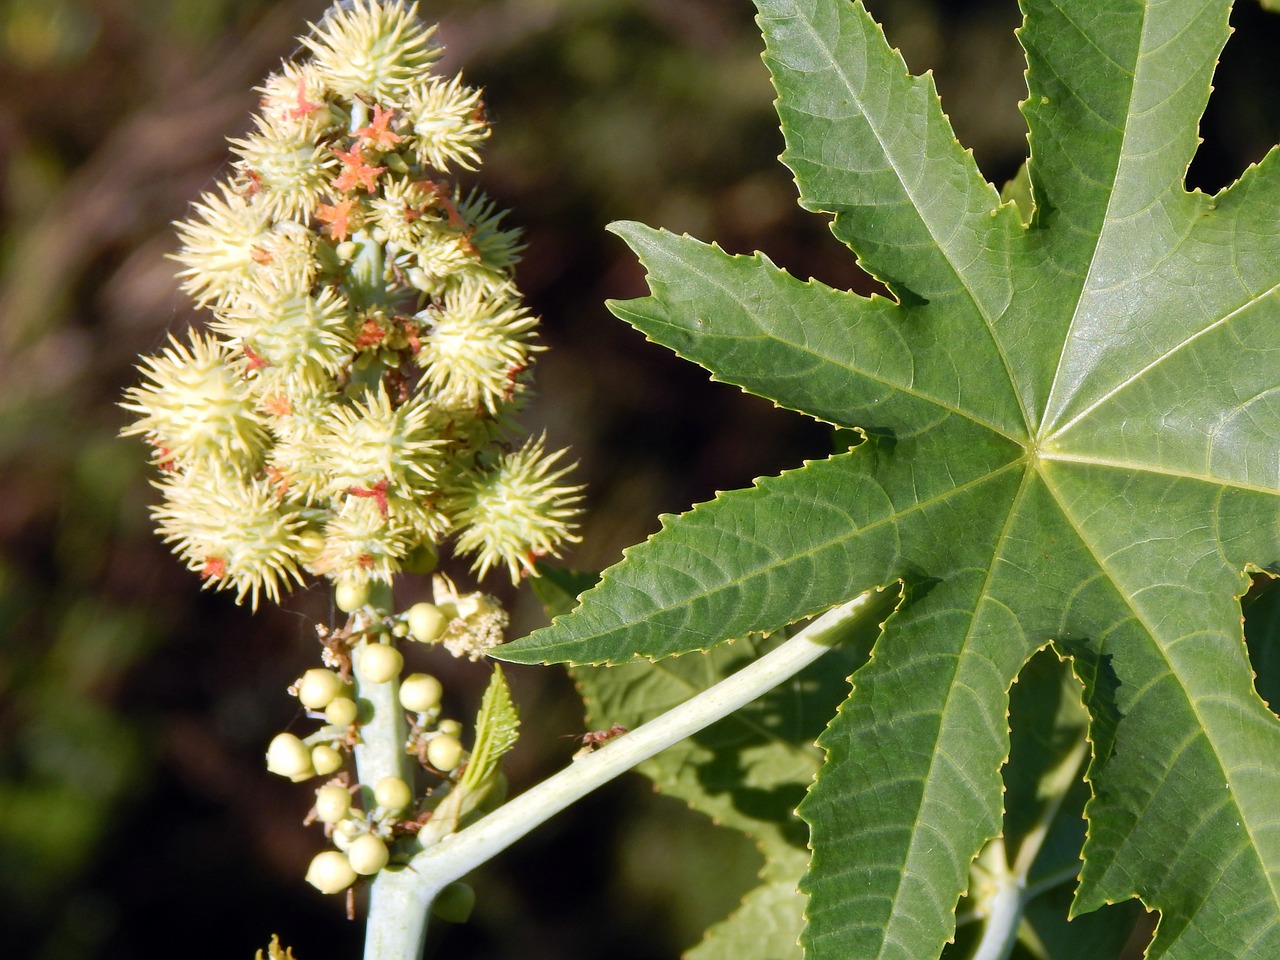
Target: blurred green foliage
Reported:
[(133, 708)]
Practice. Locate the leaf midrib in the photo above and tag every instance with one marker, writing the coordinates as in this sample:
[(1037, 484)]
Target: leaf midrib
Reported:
[(1051, 403), (1192, 702), (1185, 343), (937, 754), (790, 558), (768, 336), (979, 305)]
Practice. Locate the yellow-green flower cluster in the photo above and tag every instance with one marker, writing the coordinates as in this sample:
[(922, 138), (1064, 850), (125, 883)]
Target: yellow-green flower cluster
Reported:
[(351, 406)]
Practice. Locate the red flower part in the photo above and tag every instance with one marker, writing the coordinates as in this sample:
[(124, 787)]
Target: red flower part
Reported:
[(304, 106), (337, 217), (378, 492), (256, 361), (376, 133), (356, 171)]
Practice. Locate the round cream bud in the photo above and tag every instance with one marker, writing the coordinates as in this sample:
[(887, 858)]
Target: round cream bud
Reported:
[(318, 687), (350, 596), (454, 903), (346, 832), (452, 728), (420, 692), (310, 546), (333, 802), (392, 793), (444, 752), (426, 622), (341, 711), (330, 872), (289, 757), (378, 662), (325, 759), (367, 855)]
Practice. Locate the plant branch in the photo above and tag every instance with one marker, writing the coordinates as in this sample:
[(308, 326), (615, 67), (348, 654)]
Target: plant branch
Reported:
[(416, 885)]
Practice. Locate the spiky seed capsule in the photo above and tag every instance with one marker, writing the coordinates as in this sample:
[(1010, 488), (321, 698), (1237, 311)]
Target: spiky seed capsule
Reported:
[(349, 596), (318, 687), (448, 123), (284, 168), (341, 711), (516, 511), (330, 872), (378, 662), (477, 342), (389, 454), (362, 544), (333, 802), (236, 533), (420, 692), (220, 244), (288, 756), (444, 752), (367, 855), (373, 48), (325, 760), (197, 407), (295, 333), (426, 622), (392, 793)]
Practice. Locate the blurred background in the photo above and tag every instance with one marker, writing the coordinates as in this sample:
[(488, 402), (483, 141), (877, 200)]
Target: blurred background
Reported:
[(136, 818)]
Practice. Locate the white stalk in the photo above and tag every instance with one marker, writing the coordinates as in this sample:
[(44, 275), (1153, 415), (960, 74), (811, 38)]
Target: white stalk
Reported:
[(415, 886)]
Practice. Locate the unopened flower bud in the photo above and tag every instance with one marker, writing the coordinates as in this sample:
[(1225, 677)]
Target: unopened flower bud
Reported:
[(454, 903), (426, 622), (420, 692), (378, 662), (325, 760), (341, 711), (350, 596), (444, 753), (451, 728), (330, 872), (333, 803), (392, 793), (346, 832), (289, 757), (318, 687), (367, 854)]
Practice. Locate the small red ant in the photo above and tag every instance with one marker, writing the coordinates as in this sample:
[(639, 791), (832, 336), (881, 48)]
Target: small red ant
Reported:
[(594, 738)]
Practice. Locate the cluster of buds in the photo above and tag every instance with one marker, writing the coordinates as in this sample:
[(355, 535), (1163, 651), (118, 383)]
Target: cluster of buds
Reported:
[(402, 814), (351, 406)]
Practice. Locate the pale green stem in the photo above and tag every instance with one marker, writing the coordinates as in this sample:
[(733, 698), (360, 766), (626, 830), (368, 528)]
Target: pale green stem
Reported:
[(1003, 908), (402, 897), (383, 731), (394, 927)]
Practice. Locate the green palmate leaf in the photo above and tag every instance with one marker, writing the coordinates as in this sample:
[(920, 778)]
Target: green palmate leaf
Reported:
[(1072, 429), (748, 772)]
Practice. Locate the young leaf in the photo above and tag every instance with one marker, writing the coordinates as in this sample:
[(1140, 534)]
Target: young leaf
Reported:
[(497, 729), (1072, 436)]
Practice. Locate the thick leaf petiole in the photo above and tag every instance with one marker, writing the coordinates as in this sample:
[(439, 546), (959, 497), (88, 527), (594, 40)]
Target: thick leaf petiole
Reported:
[(401, 897)]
